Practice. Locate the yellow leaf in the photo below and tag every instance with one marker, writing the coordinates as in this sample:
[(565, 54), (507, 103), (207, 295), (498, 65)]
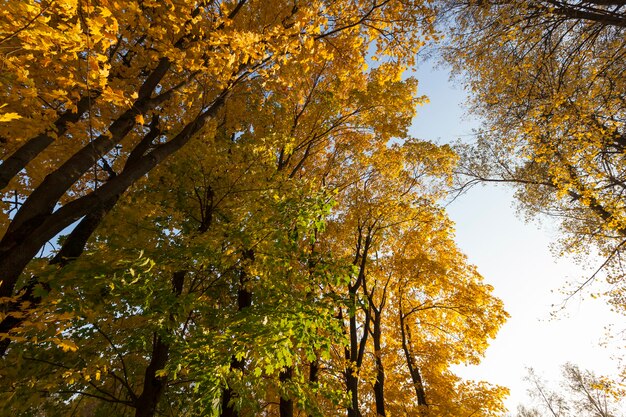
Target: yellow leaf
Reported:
[(66, 345), (7, 117), (139, 119)]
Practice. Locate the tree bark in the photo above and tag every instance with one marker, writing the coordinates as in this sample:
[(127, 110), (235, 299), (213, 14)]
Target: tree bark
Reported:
[(72, 248), (286, 404), (354, 357), (355, 351), (20, 246), (352, 385), (154, 385), (244, 300), (410, 361), (314, 369), (597, 15), (12, 165), (44, 198), (379, 385)]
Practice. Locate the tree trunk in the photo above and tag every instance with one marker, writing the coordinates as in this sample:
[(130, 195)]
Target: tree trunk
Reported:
[(13, 164), (227, 407), (352, 386), (314, 369), (410, 361), (354, 358), (286, 404), (72, 248), (379, 385), (37, 224), (244, 300), (354, 353), (153, 385)]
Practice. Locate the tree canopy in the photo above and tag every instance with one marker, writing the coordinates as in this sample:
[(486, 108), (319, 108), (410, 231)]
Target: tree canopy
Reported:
[(240, 223), (547, 79), (96, 95)]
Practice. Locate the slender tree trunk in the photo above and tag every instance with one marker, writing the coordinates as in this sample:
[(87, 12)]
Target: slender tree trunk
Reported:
[(379, 385), (410, 361), (228, 410), (352, 370), (354, 353), (228, 407), (314, 369), (352, 385), (352, 382)]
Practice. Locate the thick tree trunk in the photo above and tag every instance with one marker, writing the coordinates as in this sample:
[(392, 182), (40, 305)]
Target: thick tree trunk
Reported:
[(286, 404), (44, 198), (244, 300), (25, 237), (12, 165), (72, 248), (154, 385), (37, 220)]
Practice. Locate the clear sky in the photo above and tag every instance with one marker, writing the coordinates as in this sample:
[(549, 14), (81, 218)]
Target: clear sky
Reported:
[(515, 258)]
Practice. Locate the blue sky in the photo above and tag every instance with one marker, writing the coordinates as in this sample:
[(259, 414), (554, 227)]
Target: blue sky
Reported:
[(515, 257)]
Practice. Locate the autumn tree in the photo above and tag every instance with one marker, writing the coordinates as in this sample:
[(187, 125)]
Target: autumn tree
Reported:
[(257, 234), (405, 280), (223, 217), (95, 95), (236, 219), (135, 344), (581, 393), (546, 79)]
